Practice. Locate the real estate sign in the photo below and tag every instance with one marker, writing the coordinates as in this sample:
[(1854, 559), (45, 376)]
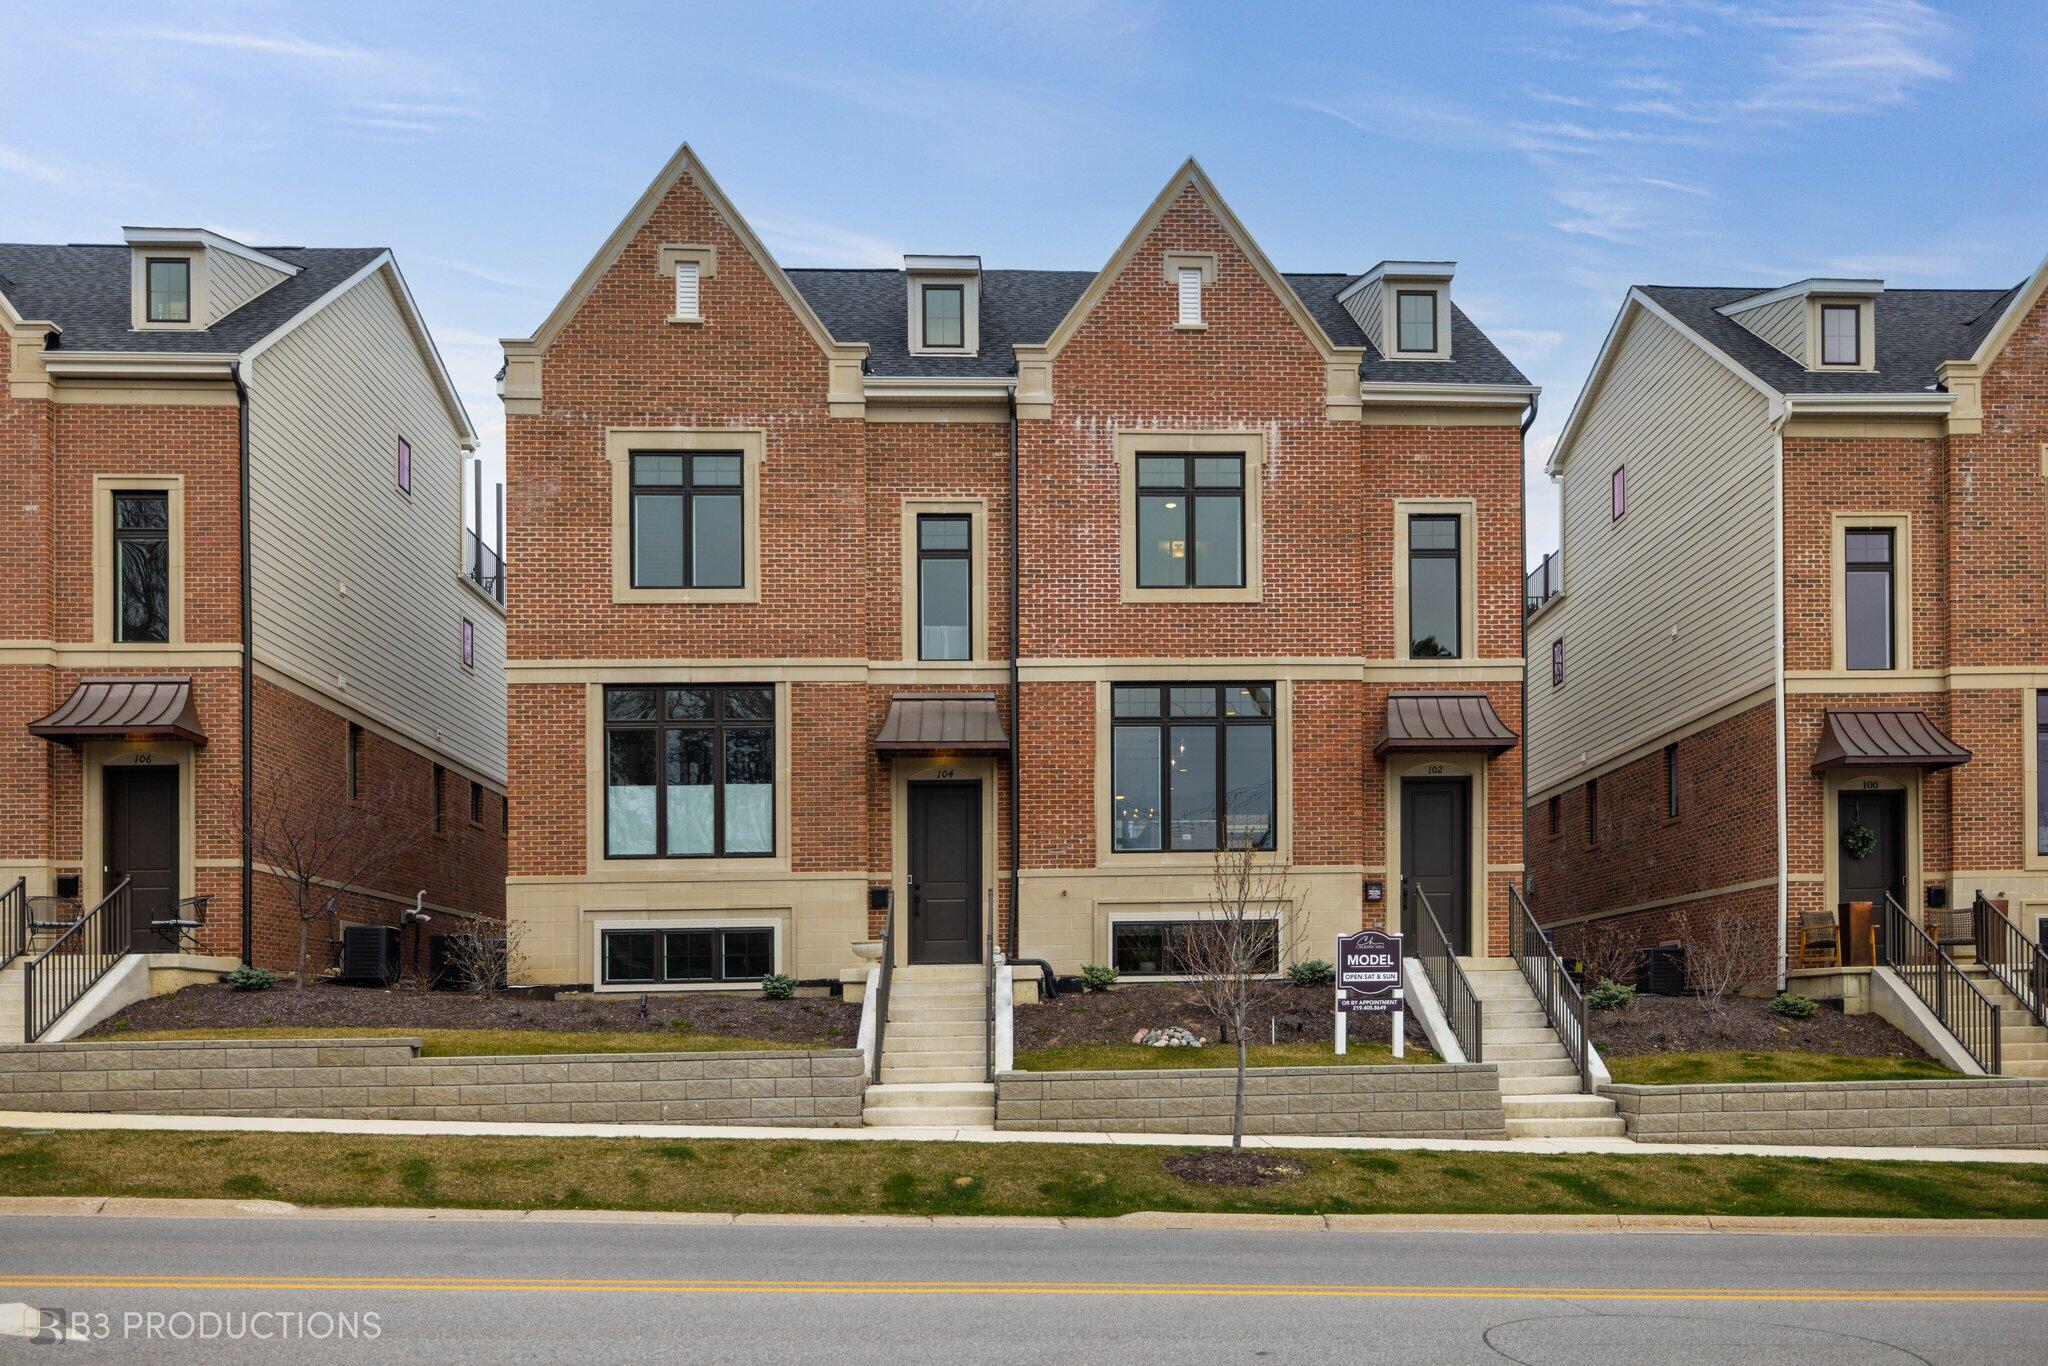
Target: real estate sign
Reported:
[(1369, 981)]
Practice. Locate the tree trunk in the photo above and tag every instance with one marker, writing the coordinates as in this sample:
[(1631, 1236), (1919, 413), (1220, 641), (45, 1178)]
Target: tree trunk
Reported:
[(300, 986), (1237, 1113)]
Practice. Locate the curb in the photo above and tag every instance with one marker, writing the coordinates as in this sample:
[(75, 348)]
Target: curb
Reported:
[(127, 1207)]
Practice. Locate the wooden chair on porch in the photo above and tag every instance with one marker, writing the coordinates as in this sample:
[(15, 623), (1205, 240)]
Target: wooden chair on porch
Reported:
[(1820, 933)]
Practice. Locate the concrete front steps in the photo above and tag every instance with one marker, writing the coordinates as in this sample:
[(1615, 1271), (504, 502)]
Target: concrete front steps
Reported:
[(1539, 1086), (11, 1023), (935, 1051), (2022, 1042)]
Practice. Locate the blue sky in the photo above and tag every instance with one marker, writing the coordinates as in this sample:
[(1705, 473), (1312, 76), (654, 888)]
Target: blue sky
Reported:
[(1558, 152)]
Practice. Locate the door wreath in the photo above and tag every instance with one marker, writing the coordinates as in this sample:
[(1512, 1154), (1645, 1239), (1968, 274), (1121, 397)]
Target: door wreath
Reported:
[(1858, 841)]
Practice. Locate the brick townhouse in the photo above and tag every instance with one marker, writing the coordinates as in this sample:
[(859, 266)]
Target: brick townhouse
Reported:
[(148, 383), (839, 587), (1797, 655)]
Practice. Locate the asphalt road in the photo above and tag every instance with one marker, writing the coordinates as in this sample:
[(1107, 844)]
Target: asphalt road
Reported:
[(479, 1292)]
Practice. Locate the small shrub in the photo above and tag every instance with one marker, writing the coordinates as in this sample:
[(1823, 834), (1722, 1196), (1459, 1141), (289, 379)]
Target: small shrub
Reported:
[(1316, 972), (1097, 977), (1793, 1006), (1610, 995), (778, 986), (246, 978)]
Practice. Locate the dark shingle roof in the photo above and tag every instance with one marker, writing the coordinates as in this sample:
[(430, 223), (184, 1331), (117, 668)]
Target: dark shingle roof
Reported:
[(84, 291), (1917, 329), (1024, 306)]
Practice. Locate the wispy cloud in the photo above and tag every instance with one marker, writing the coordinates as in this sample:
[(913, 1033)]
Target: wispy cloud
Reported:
[(1527, 341), (806, 242), (52, 175), (488, 274), (271, 44)]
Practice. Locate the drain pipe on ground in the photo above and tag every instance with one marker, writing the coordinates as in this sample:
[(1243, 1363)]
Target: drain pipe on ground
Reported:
[(248, 680)]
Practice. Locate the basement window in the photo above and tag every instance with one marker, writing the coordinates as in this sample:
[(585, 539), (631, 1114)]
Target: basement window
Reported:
[(677, 957)]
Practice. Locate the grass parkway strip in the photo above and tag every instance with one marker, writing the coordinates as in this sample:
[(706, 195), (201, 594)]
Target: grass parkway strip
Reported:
[(794, 1176)]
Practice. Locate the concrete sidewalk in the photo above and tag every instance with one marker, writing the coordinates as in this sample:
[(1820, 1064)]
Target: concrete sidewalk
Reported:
[(427, 1128), (133, 1207)]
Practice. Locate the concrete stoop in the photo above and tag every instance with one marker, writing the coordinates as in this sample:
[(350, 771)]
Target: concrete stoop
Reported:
[(10, 1002), (2022, 1042), (1539, 1086), (935, 1052)]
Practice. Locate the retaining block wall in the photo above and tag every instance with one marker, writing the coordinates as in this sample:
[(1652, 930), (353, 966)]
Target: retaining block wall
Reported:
[(1970, 1112), (1369, 1102), (386, 1079)]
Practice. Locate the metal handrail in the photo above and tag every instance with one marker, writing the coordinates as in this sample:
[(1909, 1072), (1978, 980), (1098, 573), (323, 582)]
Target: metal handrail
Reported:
[(882, 992), (2015, 960), (1541, 584), (1959, 1003), (483, 566), (14, 922), (989, 954), (53, 981), (1562, 1001), (1453, 989)]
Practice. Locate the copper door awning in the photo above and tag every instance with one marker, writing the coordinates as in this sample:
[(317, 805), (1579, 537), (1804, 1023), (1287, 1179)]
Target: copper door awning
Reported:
[(124, 709)]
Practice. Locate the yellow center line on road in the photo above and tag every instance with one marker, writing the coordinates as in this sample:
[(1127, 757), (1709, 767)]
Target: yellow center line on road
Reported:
[(541, 1285)]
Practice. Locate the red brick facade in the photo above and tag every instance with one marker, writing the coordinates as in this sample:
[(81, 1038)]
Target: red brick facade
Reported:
[(50, 453), (1975, 505), (827, 629)]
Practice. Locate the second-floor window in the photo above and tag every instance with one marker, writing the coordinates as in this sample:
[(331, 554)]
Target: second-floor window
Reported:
[(170, 290), (1415, 320), (945, 586), (142, 567), (1435, 593), (1191, 521), (689, 772), (688, 523), (1867, 607), (1192, 765)]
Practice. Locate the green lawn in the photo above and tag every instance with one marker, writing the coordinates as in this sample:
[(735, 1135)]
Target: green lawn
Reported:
[(1699, 1069), (793, 1176), (1134, 1057), (480, 1043)]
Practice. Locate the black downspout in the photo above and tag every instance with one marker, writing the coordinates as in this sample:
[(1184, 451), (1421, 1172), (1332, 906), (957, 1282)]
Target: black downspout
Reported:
[(1522, 474), (1016, 635), (248, 684)]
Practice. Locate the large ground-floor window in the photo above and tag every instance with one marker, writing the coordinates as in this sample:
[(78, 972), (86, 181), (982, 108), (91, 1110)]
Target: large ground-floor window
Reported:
[(1192, 765), (689, 772), (664, 957)]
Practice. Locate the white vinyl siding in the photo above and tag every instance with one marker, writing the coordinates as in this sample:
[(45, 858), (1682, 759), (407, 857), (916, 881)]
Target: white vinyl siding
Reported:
[(686, 290), (232, 281), (1190, 296), (1782, 324), (352, 579), (1694, 553)]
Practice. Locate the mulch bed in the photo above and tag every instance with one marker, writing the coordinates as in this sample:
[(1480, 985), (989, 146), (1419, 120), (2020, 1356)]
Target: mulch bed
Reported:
[(1680, 1024), (1222, 1167), (1293, 1014), (803, 1020)]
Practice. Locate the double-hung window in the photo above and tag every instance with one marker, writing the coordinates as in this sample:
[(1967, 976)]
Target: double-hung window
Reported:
[(169, 282), (945, 316), (945, 586), (688, 522), (1868, 610), (689, 772), (1841, 334), (1435, 589), (142, 567), (663, 957), (1415, 320), (1192, 766), (1191, 521)]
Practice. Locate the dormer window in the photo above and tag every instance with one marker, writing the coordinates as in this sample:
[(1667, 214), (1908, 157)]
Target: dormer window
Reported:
[(1840, 329), (169, 289), (945, 304), (945, 317), (1416, 317)]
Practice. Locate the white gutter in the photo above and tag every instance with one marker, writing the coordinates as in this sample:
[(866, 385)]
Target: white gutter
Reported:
[(133, 364), (1925, 403), (1781, 414), (1411, 391), (937, 387)]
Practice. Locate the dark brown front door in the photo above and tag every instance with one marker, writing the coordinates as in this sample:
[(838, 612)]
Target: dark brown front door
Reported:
[(1883, 869), (142, 846), (945, 872), (1436, 851)]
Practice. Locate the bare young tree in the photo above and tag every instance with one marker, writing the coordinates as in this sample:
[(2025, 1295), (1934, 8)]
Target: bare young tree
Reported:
[(1723, 958), (1606, 947), (1232, 955), (486, 955), (322, 846)]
